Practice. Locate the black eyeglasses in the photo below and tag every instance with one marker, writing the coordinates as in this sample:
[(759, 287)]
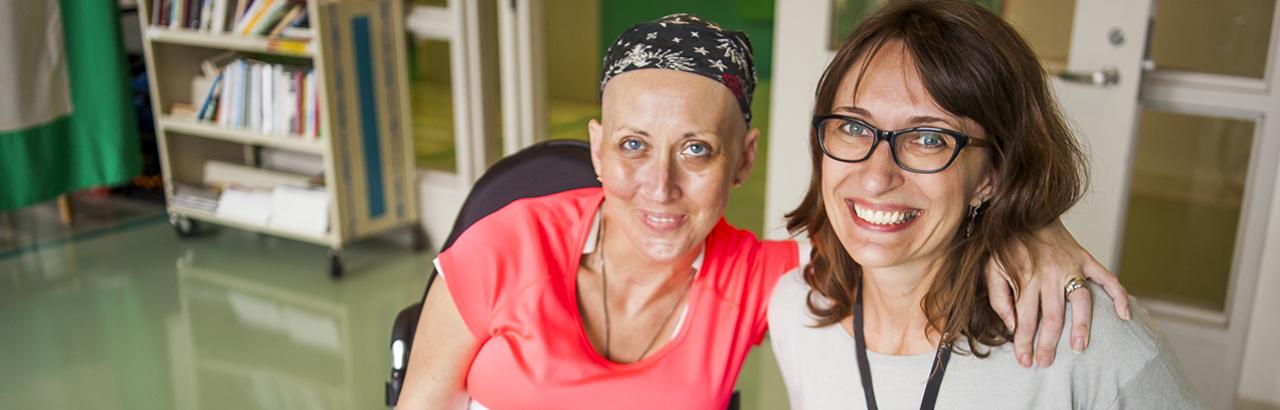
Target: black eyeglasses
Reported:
[(923, 150)]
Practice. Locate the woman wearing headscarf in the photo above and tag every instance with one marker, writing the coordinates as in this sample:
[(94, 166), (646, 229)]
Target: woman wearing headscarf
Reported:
[(634, 295)]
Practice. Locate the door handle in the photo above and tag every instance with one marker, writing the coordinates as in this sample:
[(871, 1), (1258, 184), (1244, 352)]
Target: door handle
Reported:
[(1106, 77)]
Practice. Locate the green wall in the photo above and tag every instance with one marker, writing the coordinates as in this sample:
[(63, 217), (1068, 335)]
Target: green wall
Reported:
[(755, 17)]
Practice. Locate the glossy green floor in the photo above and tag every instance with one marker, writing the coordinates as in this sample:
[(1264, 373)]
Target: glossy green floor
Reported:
[(130, 317), (136, 319)]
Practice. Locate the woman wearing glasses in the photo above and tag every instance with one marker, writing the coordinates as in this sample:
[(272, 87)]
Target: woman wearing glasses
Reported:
[(636, 294), (937, 146)]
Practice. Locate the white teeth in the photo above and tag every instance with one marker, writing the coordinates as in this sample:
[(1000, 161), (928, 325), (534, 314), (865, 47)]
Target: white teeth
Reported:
[(884, 217), (660, 220)]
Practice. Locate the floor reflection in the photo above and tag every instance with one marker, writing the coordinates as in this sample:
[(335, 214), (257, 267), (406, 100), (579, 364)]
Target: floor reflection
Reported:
[(136, 319)]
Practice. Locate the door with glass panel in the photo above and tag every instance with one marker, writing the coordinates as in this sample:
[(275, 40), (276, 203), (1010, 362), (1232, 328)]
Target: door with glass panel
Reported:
[(453, 98), (1172, 98), (550, 69)]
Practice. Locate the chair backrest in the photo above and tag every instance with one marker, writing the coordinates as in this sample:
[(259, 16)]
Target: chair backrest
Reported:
[(541, 169)]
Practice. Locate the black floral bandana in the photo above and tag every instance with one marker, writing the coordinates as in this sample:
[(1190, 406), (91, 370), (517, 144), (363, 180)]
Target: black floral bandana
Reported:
[(684, 42)]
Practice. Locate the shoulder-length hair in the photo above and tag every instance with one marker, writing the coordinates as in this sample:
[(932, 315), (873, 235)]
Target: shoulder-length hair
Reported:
[(974, 65)]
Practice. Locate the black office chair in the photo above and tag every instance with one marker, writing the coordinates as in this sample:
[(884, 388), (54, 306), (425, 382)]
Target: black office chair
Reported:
[(541, 169)]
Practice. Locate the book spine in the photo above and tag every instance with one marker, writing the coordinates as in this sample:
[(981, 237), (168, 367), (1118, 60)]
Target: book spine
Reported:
[(208, 97), (193, 14), (251, 19), (265, 93), (218, 16), (236, 12), (285, 21), (309, 81), (175, 13), (255, 97), (242, 102), (211, 114), (246, 15), (287, 102), (157, 7), (299, 103), (225, 97), (271, 17), (206, 14)]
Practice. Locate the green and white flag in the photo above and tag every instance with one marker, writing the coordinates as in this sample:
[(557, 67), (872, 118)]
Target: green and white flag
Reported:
[(35, 80), (66, 120)]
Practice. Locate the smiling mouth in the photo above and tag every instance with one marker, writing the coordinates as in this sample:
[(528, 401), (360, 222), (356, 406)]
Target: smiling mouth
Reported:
[(886, 218), (662, 221)]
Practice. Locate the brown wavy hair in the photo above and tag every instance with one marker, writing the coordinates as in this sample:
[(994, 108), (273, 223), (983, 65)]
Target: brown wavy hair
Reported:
[(974, 65)]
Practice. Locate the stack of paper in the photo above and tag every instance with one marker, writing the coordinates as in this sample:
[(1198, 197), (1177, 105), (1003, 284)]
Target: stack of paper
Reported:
[(300, 210), (245, 206)]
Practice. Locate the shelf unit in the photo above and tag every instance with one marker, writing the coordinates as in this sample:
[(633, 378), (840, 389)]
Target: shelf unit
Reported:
[(364, 139)]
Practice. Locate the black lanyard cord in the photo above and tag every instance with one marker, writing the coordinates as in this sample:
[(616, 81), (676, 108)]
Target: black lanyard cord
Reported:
[(940, 360)]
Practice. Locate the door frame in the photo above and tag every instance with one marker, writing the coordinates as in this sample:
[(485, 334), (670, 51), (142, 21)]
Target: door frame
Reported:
[(1255, 100), (523, 65), (468, 27)]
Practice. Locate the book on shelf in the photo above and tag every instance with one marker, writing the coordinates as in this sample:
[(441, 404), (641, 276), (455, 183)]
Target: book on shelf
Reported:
[(194, 197), (223, 175), (293, 162), (260, 197), (299, 209), (182, 110), (290, 208), (270, 18), (247, 206), (273, 99), (209, 100)]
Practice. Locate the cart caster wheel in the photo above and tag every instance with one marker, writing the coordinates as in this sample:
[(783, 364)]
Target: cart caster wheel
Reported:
[(184, 227), (335, 265), (418, 238)]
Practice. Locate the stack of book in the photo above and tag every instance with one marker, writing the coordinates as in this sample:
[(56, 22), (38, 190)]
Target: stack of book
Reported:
[(263, 97), (272, 18), (192, 197)]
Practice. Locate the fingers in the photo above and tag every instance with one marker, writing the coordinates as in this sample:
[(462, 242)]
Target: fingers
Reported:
[(1111, 284), (1001, 294), (1051, 320), (1081, 316), (1025, 332)]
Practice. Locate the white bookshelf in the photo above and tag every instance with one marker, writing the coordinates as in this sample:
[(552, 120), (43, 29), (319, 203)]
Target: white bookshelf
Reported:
[(206, 129), (363, 137), (228, 41)]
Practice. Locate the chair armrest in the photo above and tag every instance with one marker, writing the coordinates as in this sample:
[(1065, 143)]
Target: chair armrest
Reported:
[(402, 332)]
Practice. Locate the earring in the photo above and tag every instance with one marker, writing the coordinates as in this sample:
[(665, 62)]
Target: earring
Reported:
[(973, 214)]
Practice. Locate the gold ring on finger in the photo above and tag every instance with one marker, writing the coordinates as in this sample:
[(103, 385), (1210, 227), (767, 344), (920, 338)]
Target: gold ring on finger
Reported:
[(1073, 283)]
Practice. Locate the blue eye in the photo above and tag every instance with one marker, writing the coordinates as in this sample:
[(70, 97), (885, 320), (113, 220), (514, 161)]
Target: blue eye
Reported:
[(931, 141), (632, 145), (697, 150), (853, 129)]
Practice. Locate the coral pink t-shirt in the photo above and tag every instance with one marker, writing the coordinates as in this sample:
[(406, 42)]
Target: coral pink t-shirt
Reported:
[(513, 276)]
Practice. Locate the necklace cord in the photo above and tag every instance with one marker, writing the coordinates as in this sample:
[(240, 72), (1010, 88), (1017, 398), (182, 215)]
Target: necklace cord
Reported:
[(939, 368), (604, 300)]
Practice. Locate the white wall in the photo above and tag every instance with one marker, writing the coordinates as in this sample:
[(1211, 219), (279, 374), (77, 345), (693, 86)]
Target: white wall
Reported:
[(799, 55), (1260, 374)]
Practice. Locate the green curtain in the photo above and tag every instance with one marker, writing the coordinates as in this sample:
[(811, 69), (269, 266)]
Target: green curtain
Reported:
[(97, 144)]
